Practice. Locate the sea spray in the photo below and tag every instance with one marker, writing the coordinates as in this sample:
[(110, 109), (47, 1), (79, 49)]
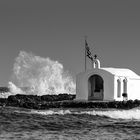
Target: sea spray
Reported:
[(39, 76), (14, 89)]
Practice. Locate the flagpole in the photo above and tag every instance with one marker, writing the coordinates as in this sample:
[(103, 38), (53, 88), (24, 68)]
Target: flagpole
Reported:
[(85, 57), (92, 63), (85, 53)]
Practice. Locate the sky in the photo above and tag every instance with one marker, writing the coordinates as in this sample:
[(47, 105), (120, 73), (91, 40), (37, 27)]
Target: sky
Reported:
[(56, 29)]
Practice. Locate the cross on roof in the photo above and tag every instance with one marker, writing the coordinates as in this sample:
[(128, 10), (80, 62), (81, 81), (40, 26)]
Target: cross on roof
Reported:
[(95, 56)]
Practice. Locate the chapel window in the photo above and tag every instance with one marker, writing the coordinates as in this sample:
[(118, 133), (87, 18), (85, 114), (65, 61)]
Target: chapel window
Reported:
[(118, 88), (125, 85)]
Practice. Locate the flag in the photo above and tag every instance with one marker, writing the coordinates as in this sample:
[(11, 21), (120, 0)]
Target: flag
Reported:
[(88, 52)]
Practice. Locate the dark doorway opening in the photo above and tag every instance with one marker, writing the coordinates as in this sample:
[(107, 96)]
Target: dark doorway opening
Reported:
[(95, 88)]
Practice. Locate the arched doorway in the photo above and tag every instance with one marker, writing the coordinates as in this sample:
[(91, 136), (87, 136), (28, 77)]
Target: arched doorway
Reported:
[(95, 88)]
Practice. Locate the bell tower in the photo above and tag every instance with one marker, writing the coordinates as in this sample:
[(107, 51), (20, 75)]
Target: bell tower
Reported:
[(96, 62)]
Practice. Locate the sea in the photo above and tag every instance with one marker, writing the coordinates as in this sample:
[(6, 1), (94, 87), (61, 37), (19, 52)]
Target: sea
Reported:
[(69, 124)]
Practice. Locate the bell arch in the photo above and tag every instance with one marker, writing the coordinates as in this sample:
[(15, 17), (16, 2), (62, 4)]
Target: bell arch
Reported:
[(95, 87), (96, 64)]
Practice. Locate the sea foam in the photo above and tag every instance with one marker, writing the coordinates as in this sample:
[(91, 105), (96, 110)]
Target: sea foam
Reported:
[(114, 114)]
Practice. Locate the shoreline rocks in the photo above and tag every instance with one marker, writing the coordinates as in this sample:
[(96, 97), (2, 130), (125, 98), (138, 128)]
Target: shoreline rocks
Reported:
[(62, 101)]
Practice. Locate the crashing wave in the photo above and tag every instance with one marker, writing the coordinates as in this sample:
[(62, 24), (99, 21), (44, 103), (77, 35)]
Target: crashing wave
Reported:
[(41, 76)]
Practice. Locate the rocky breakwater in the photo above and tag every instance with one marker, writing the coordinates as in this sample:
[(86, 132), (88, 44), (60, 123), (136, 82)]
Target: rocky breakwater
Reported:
[(62, 101), (37, 102)]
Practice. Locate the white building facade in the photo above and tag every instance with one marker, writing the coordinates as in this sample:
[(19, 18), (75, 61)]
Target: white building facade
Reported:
[(107, 84)]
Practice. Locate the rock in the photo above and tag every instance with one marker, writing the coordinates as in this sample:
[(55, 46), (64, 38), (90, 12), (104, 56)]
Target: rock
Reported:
[(62, 101)]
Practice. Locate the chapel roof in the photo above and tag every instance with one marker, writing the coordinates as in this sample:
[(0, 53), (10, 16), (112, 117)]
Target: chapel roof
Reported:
[(122, 72)]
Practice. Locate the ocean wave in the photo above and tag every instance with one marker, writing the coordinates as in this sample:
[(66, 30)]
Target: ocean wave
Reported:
[(115, 114), (79, 123)]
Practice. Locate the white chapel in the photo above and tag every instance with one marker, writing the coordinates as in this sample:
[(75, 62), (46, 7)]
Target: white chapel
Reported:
[(107, 84)]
